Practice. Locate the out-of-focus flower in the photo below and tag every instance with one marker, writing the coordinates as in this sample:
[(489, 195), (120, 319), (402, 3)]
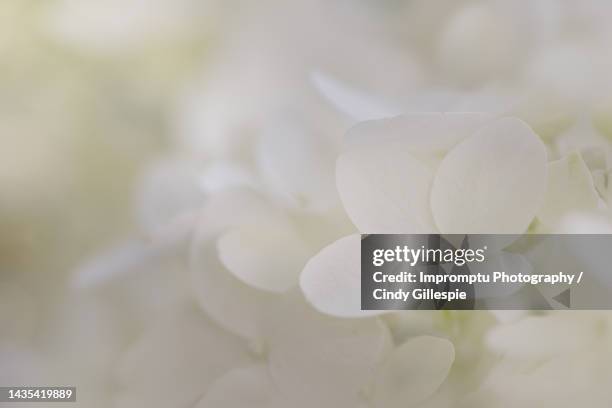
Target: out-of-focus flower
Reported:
[(562, 356), (120, 27), (175, 360)]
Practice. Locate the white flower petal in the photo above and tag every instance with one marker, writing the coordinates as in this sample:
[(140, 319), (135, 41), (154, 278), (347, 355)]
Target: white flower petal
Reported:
[(233, 208), (583, 137), (298, 165), (334, 359), (414, 371), (331, 280), (355, 103), (243, 387), (509, 316), (166, 191), (547, 113), (570, 189), (543, 337), (493, 182), (133, 256), (214, 286), (144, 399), (266, 256), (591, 255), (222, 175), (593, 222), (474, 32), (410, 323), (178, 359), (419, 132), (385, 189), (113, 263), (228, 301), (569, 68)]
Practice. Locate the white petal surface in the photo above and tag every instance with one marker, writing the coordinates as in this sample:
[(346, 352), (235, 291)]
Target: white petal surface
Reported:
[(414, 371), (591, 255), (166, 191), (222, 175), (493, 182), (323, 360), (570, 189), (232, 208), (266, 256), (385, 189), (114, 263), (357, 104), (243, 387), (230, 302), (478, 43), (179, 358), (227, 300), (419, 132), (331, 280), (543, 337), (253, 387), (136, 255), (298, 166)]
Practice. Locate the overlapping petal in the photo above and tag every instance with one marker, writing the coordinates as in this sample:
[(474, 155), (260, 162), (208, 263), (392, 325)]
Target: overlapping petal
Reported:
[(492, 182), (177, 359), (385, 189), (243, 387), (331, 280), (414, 371), (266, 256), (570, 189), (323, 360)]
